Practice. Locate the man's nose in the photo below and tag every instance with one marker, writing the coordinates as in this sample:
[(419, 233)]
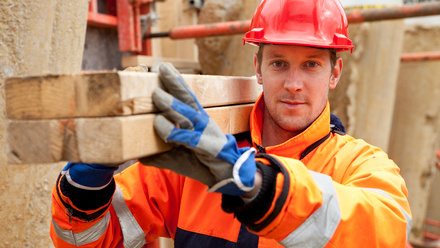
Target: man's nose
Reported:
[(294, 80)]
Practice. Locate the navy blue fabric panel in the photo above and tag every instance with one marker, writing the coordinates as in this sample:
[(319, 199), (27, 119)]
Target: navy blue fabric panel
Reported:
[(247, 239), (185, 239)]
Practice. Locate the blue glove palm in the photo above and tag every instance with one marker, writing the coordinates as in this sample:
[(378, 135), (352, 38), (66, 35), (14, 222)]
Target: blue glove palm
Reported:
[(184, 122)]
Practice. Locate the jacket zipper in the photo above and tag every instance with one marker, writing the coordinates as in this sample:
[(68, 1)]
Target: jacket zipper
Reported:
[(70, 211), (260, 149)]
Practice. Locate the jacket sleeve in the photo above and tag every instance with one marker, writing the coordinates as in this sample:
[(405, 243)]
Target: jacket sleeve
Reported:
[(125, 213), (357, 200)]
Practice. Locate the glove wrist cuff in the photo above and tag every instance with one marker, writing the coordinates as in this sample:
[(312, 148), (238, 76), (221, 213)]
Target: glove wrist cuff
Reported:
[(83, 204), (243, 176), (260, 205), (244, 170)]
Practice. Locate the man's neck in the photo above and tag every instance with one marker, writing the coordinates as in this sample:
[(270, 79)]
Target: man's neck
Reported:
[(272, 139), (273, 135)]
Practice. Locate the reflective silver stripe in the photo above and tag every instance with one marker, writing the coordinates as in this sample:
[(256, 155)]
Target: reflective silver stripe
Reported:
[(85, 237), (134, 236), (319, 228), (407, 216)]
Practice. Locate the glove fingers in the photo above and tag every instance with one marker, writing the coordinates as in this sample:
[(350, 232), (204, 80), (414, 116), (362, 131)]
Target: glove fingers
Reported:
[(175, 110), (163, 127), (176, 86), (169, 132)]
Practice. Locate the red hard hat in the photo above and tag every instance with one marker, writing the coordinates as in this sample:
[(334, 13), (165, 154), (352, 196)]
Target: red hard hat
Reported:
[(315, 23)]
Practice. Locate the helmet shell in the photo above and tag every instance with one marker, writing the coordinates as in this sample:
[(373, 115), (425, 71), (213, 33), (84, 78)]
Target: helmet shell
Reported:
[(315, 23)]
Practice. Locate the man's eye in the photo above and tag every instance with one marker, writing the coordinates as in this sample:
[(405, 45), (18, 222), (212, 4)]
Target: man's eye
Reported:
[(278, 63), (312, 64)]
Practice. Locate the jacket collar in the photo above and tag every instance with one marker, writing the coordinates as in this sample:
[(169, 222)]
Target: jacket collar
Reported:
[(295, 146)]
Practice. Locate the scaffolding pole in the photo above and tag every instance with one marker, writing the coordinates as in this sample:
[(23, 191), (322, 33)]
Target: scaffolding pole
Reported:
[(353, 16)]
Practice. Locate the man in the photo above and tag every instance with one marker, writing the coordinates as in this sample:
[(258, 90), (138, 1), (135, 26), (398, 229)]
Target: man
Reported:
[(309, 185)]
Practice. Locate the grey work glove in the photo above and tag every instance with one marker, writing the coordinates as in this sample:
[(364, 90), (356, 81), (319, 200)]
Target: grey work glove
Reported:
[(202, 151)]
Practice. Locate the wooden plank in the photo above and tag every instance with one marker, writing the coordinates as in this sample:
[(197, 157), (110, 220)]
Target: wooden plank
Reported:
[(100, 94), (103, 140), (149, 61)]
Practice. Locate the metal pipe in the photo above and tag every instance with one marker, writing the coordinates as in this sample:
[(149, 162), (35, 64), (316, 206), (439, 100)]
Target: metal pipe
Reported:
[(420, 56), (157, 35), (399, 12), (432, 222), (204, 30), (102, 20), (353, 16)]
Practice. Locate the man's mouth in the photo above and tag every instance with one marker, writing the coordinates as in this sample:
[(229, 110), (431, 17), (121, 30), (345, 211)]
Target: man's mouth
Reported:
[(292, 103)]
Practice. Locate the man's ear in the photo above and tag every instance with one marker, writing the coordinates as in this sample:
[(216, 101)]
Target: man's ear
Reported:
[(257, 70), (336, 75)]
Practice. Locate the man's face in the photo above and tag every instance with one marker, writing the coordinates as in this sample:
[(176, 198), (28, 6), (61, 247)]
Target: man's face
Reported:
[(296, 81)]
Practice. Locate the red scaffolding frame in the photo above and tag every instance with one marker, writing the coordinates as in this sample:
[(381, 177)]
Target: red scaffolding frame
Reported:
[(125, 16)]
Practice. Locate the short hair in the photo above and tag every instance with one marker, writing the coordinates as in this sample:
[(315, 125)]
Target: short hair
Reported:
[(333, 56)]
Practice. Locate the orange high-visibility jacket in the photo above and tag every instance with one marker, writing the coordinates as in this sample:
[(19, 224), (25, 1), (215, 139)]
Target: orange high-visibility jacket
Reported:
[(330, 190)]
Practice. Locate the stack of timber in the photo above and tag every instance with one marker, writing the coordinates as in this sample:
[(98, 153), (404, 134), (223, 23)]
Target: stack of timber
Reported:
[(184, 65), (107, 117)]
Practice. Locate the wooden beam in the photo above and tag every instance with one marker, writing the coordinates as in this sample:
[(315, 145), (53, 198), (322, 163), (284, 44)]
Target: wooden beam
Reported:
[(116, 93), (149, 61), (105, 140)]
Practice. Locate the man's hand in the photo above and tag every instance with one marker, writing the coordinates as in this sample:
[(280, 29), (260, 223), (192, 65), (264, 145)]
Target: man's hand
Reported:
[(203, 152)]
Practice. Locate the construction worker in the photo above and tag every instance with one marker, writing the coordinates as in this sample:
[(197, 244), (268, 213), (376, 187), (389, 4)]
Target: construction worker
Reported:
[(295, 180)]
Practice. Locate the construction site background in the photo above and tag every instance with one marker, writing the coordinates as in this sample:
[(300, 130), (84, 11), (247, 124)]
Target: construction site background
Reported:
[(389, 103)]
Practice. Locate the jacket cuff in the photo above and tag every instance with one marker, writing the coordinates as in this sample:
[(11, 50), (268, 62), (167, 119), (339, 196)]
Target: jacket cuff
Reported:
[(81, 203), (256, 209)]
